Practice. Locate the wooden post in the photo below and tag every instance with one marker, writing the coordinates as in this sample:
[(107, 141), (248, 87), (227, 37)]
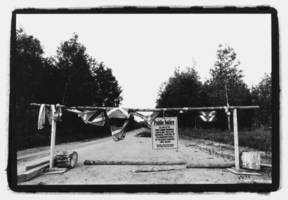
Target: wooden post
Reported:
[(228, 121), (53, 137), (236, 145)]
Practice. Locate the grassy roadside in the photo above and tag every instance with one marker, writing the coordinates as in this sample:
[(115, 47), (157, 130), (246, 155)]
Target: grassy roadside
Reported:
[(259, 139)]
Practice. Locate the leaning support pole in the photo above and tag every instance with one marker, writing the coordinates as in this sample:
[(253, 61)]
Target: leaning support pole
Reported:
[(236, 145), (53, 137)]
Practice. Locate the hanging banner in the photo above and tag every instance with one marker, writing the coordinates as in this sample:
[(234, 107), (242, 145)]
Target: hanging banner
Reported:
[(208, 116), (165, 133)]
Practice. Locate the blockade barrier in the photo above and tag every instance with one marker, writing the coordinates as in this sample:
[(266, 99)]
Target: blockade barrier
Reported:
[(149, 121)]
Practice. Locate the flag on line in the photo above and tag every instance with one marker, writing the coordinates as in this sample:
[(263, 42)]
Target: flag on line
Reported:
[(208, 116), (98, 119)]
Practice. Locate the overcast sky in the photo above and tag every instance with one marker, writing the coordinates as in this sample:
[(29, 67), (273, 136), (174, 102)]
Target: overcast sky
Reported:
[(143, 50)]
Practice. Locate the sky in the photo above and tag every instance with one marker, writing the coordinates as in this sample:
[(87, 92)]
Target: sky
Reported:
[(143, 50)]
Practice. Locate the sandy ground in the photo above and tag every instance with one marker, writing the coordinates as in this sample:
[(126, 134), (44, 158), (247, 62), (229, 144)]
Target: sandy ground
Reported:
[(134, 148), (224, 150)]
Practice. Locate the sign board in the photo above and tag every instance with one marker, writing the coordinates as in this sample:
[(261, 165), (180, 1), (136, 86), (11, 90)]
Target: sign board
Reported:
[(165, 133)]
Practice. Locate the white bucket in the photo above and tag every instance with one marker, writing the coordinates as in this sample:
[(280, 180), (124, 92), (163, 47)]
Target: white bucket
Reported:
[(251, 160)]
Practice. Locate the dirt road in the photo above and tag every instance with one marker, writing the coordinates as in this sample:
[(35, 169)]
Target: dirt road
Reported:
[(134, 148)]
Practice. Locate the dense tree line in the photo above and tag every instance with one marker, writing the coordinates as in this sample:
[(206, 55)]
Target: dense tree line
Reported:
[(224, 87), (262, 96), (72, 77)]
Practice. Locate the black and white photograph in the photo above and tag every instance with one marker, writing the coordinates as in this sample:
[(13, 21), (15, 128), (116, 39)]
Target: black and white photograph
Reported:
[(144, 99)]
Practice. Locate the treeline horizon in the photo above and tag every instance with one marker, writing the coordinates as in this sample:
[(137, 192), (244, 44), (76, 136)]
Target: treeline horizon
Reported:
[(225, 87), (52, 59), (73, 77)]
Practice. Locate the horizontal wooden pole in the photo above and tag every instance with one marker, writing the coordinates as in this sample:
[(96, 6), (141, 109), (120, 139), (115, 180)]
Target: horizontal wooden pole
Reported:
[(103, 162), (32, 173), (31, 166), (191, 108), (155, 109), (211, 165), (158, 170)]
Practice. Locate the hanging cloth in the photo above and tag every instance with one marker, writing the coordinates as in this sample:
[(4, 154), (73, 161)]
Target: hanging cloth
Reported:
[(58, 113), (90, 117), (48, 114), (41, 116), (93, 117), (152, 117), (119, 113), (147, 119), (120, 134), (54, 112), (208, 116)]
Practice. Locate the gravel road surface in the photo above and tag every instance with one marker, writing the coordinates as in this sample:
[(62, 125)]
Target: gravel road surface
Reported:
[(134, 148)]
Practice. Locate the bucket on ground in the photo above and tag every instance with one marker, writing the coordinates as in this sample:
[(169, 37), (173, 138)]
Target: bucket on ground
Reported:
[(251, 160)]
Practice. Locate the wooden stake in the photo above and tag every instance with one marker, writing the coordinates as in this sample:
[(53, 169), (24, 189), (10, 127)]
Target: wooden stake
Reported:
[(53, 137), (236, 145)]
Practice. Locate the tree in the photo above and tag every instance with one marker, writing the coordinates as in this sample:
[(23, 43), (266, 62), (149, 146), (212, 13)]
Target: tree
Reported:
[(262, 96), (83, 81), (27, 63), (107, 91), (71, 78), (75, 83), (226, 85), (182, 90)]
